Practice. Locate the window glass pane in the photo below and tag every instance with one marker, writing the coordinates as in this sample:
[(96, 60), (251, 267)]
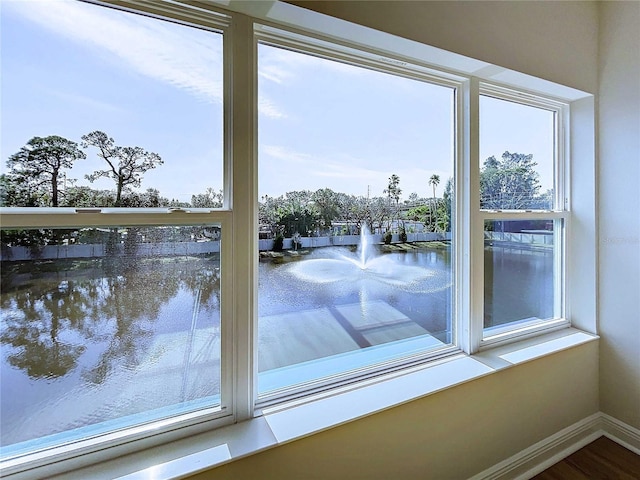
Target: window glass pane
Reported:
[(106, 108), (106, 328), (520, 273), (355, 185), (517, 144)]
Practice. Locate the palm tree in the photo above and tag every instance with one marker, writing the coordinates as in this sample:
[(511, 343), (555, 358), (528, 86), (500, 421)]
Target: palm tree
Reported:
[(393, 191), (434, 181)]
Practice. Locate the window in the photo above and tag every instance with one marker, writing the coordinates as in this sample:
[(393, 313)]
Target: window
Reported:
[(521, 202), (112, 295), (355, 182), (204, 214), (117, 328)]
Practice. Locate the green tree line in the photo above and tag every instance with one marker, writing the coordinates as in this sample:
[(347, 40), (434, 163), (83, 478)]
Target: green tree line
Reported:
[(37, 177)]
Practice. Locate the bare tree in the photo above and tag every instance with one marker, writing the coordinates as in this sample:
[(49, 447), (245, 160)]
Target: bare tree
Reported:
[(126, 165)]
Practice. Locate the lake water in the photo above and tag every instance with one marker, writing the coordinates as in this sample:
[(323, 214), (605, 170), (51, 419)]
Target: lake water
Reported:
[(103, 341), (90, 341)]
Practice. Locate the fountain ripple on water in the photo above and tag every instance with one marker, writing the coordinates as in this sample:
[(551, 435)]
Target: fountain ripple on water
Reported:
[(365, 266)]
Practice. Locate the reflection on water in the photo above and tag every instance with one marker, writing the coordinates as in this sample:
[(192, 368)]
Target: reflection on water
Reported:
[(85, 341), (336, 300), (519, 285)]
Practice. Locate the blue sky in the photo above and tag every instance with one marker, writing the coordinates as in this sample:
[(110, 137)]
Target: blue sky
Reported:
[(69, 68)]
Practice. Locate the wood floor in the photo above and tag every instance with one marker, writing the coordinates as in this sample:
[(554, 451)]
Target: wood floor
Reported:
[(602, 459)]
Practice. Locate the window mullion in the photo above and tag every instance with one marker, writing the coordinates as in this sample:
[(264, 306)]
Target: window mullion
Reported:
[(521, 215), (244, 193), (470, 226), (19, 218)]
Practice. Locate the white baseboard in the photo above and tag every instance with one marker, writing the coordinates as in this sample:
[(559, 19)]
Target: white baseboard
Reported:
[(540, 456), (620, 432)]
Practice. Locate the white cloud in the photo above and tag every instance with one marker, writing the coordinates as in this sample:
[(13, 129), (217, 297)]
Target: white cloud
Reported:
[(283, 153), (268, 108), (280, 65), (274, 73), (283, 67), (184, 57)]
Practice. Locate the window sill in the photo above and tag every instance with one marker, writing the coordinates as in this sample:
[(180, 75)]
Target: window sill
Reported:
[(286, 423)]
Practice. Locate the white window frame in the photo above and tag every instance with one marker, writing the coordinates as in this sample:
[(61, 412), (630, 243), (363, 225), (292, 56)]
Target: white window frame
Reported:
[(153, 432), (195, 421), (308, 44), (238, 220), (559, 214)]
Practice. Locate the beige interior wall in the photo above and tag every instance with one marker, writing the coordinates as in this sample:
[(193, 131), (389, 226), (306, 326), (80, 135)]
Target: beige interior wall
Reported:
[(555, 40), (619, 210), (453, 434)]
